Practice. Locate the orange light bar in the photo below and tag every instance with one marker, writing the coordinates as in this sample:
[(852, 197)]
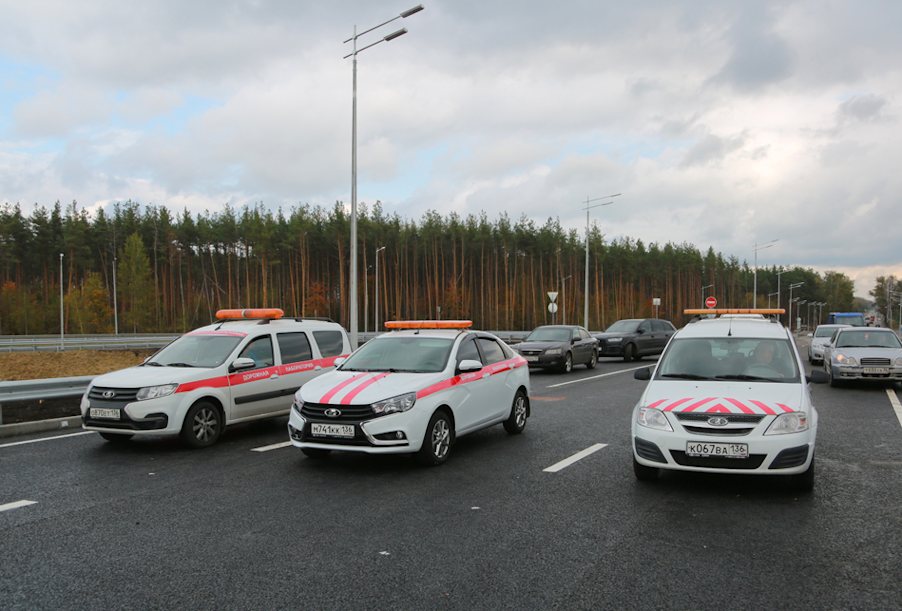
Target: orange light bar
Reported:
[(735, 311), (273, 313), (428, 324)]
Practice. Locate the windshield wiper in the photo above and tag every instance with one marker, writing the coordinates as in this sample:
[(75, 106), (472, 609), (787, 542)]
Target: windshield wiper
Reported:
[(387, 369), (179, 365), (686, 376), (153, 364), (742, 376)]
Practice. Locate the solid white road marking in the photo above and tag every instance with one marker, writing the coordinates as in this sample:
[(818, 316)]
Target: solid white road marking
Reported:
[(897, 407), (17, 504), (596, 377), (274, 446), (19, 443), (578, 456)]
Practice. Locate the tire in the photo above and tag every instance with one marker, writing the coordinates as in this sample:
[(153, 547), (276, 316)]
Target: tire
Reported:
[(593, 361), (643, 473), (804, 481), (519, 412), (437, 441), (116, 437), (202, 426), (315, 452), (567, 367), (834, 383), (629, 353)]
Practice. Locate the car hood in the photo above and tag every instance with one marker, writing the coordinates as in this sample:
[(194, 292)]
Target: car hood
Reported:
[(723, 397), (140, 377), (363, 388), (539, 345)]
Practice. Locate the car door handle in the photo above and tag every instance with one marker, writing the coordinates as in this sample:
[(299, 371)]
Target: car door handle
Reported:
[(274, 376), (317, 368)]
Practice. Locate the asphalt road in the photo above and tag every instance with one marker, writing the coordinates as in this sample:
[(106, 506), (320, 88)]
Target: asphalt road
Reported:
[(151, 525)]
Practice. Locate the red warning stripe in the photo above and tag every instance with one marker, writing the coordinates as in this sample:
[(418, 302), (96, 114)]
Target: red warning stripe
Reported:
[(347, 398), (715, 405), (257, 374)]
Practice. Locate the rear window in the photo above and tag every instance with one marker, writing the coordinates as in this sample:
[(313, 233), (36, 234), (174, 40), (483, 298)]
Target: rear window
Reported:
[(491, 349), (331, 343), (294, 347)]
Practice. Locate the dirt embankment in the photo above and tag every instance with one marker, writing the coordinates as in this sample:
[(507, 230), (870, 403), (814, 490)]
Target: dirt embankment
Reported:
[(43, 365)]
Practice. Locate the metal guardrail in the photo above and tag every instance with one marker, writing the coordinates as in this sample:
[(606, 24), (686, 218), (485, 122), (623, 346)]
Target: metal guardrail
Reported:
[(53, 343), (33, 390)]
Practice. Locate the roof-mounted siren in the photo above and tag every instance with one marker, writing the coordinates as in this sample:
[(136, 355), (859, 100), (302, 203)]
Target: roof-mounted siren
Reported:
[(428, 324), (764, 312), (251, 314)]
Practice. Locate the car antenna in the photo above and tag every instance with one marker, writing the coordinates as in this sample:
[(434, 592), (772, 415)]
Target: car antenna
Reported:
[(730, 329)]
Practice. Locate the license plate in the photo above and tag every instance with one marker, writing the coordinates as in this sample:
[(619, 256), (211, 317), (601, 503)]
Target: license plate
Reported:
[(724, 450), (531, 359), (97, 412), (876, 370), (331, 430)]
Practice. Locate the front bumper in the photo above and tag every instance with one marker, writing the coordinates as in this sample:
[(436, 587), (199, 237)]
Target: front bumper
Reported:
[(544, 360), (393, 434), (610, 349), (857, 372), (150, 417)]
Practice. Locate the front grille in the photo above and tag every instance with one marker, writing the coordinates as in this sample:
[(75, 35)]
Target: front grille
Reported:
[(874, 362), (731, 418), (649, 451), (349, 413), (718, 462), (602, 343), (120, 395), (791, 457), (530, 352), (718, 431)]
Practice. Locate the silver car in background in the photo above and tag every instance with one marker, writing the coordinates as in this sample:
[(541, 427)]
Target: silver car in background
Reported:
[(821, 336), (867, 353)]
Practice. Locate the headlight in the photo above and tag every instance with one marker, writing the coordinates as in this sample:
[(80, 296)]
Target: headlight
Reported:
[(899, 362), (653, 419), (553, 351), (796, 422), (296, 405), (615, 340), (401, 403), (155, 392), (842, 359)]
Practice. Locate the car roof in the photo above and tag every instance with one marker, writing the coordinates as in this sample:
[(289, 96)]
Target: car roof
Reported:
[(258, 324), (833, 326), (735, 327)]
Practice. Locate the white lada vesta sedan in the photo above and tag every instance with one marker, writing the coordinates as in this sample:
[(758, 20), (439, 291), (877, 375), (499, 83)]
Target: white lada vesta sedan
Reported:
[(413, 390), (727, 396)]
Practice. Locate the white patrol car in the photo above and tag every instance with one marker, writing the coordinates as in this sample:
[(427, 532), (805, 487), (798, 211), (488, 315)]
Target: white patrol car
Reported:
[(727, 396), (246, 367), (413, 390)]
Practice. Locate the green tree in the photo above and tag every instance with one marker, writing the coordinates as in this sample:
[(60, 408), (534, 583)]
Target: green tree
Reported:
[(134, 285)]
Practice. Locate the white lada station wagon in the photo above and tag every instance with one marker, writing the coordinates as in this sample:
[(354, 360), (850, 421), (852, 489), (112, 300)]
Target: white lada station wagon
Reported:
[(728, 395), (413, 390), (245, 367)]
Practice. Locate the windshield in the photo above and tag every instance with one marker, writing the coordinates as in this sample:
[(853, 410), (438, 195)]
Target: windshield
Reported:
[(824, 331), (867, 339), (732, 358), (549, 334), (624, 326), (410, 354), (200, 350), (856, 320)]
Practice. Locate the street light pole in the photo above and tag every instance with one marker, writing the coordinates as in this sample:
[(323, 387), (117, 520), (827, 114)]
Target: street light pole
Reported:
[(758, 247), (353, 275), (366, 299), (377, 288), (588, 207), (779, 273), (768, 299), (564, 291), (792, 286), (115, 305), (62, 327), (704, 288)]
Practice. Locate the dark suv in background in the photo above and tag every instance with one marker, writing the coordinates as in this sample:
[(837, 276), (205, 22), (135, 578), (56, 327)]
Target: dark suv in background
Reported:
[(634, 338)]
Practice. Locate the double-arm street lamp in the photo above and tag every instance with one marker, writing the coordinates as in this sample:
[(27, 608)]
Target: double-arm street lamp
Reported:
[(758, 247), (705, 288), (792, 286), (378, 250), (588, 207), (353, 274)]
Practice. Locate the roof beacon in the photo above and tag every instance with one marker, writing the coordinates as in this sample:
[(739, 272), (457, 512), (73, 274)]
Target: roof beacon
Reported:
[(428, 324), (764, 311), (267, 313)]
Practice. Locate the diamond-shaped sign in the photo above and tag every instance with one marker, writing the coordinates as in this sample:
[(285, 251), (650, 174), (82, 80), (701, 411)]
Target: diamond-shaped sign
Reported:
[(552, 295)]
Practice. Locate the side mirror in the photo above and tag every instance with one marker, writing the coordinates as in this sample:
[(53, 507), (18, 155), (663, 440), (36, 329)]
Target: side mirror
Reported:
[(469, 365), (640, 331), (827, 344), (642, 374), (242, 362), (340, 360), (818, 376)]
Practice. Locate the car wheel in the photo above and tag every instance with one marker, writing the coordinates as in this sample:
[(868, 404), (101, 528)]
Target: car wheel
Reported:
[(833, 381), (592, 362), (629, 353), (804, 481), (567, 366), (202, 426), (519, 410), (315, 452), (437, 441), (116, 437), (643, 473)]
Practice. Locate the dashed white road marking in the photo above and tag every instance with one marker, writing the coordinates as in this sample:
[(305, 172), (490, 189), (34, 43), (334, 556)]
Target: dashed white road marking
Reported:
[(274, 446), (16, 505), (578, 456), (19, 443), (897, 407), (603, 375)]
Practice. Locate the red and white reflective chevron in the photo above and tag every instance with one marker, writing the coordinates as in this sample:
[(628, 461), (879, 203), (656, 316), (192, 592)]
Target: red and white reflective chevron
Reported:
[(719, 405)]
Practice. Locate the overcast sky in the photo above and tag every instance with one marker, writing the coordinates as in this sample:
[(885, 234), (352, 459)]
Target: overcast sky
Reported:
[(721, 123)]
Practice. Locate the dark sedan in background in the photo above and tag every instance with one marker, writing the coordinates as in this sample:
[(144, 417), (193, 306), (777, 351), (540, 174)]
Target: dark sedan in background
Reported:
[(559, 347), (634, 338)]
